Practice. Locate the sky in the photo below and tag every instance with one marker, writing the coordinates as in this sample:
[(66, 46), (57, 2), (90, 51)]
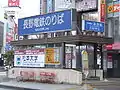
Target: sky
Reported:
[(28, 8)]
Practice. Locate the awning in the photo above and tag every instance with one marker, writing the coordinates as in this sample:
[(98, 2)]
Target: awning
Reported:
[(66, 39)]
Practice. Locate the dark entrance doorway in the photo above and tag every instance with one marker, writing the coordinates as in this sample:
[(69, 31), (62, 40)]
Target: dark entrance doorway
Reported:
[(116, 65), (114, 72)]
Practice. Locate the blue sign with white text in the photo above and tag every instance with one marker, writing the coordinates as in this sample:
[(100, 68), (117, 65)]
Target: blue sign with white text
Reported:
[(52, 22), (92, 26)]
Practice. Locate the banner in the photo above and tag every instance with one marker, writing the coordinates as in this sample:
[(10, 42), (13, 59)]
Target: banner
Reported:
[(13, 3), (52, 56), (102, 11), (29, 58), (52, 22)]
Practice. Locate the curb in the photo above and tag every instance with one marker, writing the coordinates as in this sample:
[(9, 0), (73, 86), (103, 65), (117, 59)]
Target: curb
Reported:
[(16, 87)]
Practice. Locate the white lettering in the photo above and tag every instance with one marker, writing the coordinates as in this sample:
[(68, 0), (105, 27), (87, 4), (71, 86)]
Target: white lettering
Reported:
[(47, 21), (60, 18), (36, 22), (26, 23), (31, 23), (39, 22), (54, 19)]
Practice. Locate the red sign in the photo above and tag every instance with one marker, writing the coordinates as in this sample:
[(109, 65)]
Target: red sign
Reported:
[(13, 3), (102, 11), (116, 8), (108, 47), (115, 46)]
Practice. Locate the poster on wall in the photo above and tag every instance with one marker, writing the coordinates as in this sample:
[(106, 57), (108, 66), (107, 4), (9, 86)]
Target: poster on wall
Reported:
[(70, 57), (29, 58), (52, 56)]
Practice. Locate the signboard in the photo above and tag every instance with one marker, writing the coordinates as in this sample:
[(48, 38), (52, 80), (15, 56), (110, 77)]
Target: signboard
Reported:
[(29, 58), (92, 26), (85, 65), (86, 5), (102, 11), (52, 22), (113, 9), (52, 56), (13, 3)]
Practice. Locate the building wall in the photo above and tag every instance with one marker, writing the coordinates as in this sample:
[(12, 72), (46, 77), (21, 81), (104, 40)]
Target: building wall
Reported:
[(113, 19), (43, 4), (1, 35)]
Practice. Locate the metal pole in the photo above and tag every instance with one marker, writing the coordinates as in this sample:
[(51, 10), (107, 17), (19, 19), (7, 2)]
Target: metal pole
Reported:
[(63, 55), (95, 57)]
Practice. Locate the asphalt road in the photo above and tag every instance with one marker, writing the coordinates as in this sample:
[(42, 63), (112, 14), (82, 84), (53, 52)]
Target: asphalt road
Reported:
[(6, 89), (108, 87)]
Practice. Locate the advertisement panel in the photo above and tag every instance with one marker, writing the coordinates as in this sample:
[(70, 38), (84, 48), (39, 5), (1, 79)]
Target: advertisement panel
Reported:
[(64, 4), (102, 11), (29, 58), (13, 3), (49, 6), (52, 56), (92, 26), (113, 9), (52, 22), (86, 5)]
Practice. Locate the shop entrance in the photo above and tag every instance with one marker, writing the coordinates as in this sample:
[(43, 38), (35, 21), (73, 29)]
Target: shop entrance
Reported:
[(113, 70), (116, 65)]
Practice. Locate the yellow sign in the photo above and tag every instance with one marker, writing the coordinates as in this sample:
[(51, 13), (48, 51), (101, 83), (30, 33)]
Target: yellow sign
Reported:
[(50, 56), (85, 64), (110, 9)]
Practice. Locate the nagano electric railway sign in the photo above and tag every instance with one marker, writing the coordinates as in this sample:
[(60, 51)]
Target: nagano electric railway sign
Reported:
[(51, 22)]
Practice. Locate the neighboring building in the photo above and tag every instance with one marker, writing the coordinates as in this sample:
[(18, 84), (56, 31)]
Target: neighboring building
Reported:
[(113, 30), (43, 6)]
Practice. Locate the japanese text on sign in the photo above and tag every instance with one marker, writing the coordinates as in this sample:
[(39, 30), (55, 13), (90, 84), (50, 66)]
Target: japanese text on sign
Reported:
[(93, 26), (45, 23)]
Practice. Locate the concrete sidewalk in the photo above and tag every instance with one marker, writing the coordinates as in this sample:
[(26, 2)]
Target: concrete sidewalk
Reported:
[(38, 86), (111, 81)]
